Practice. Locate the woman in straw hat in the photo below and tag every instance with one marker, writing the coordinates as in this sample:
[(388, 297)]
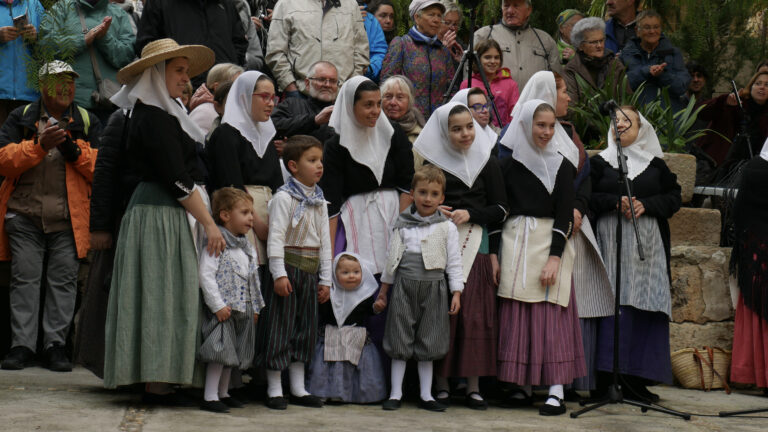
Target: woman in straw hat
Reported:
[(152, 317)]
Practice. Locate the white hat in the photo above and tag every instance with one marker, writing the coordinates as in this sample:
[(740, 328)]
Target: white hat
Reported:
[(56, 67), (417, 5)]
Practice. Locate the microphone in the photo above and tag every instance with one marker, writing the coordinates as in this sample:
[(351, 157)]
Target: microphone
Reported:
[(608, 108)]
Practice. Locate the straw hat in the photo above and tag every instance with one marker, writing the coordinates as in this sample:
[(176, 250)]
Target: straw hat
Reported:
[(200, 57)]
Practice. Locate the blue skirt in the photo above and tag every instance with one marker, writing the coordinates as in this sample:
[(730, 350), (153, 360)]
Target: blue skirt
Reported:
[(643, 345), (364, 383)]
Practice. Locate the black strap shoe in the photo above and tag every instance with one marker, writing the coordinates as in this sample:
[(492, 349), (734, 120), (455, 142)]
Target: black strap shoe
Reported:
[(391, 405), (432, 405), (232, 402), (476, 404), (215, 406), (553, 410), (277, 403), (310, 401)]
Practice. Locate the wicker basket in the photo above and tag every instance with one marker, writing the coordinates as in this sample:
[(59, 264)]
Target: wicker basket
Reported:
[(703, 369)]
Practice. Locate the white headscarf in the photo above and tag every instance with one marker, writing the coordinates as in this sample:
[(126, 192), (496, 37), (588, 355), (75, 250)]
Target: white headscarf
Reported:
[(543, 163), (237, 113), (368, 146), (150, 89), (462, 97), (434, 143), (639, 154), (543, 86), (764, 151), (344, 301)]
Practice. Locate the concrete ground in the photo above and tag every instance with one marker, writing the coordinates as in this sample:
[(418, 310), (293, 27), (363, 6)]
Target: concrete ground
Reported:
[(36, 399)]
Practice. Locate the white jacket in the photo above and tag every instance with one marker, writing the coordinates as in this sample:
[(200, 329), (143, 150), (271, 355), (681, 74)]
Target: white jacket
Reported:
[(301, 34)]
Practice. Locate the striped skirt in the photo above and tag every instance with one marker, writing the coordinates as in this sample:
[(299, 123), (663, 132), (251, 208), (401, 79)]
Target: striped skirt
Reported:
[(231, 343), (474, 330), (539, 343), (417, 318)]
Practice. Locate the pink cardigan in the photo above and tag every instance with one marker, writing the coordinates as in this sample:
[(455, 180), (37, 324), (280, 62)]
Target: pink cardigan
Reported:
[(505, 94)]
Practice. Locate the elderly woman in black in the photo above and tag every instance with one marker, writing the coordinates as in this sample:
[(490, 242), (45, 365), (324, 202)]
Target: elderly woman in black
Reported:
[(646, 303), (154, 301)]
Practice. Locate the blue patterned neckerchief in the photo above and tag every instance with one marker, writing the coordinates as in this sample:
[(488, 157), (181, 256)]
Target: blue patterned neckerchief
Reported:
[(421, 37), (297, 192)]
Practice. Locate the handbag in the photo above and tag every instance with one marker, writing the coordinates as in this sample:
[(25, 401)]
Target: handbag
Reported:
[(704, 369), (105, 87)]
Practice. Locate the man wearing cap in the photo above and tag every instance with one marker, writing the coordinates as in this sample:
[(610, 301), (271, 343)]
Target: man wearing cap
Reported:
[(306, 31), (565, 22), (526, 50), (48, 162)]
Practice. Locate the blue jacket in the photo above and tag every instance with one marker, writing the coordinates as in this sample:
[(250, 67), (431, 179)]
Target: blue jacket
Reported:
[(16, 56), (638, 63), (377, 46), (610, 36)]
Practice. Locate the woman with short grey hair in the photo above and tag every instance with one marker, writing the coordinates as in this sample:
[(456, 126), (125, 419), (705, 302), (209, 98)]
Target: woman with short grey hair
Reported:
[(593, 62), (397, 102)]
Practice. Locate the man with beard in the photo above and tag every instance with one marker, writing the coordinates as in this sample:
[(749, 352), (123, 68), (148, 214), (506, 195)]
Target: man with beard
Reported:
[(310, 115)]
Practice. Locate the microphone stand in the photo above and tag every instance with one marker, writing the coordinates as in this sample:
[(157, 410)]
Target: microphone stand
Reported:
[(614, 395), (467, 59)]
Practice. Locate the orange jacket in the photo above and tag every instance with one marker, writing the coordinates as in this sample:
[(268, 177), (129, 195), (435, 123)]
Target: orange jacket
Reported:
[(18, 157)]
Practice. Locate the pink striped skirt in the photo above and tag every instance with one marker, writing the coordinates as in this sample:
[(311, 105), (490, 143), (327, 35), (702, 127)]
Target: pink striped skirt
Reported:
[(539, 343)]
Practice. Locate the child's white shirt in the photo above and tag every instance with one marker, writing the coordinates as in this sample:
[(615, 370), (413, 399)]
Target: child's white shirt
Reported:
[(412, 238), (207, 272)]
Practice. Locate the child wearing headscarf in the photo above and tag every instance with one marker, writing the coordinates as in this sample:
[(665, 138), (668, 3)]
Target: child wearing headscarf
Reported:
[(476, 202), (346, 366), (539, 334)]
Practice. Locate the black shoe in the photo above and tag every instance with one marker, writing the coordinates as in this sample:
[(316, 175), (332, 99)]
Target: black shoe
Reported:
[(175, 399), (476, 404), (512, 401), (310, 401), (18, 358), (232, 402), (391, 405), (572, 395), (277, 403), (432, 405), (446, 400), (56, 359), (552, 410), (215, 406)]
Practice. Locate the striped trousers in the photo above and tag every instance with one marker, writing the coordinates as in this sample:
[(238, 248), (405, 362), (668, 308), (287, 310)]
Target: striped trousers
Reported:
[(288, 325)]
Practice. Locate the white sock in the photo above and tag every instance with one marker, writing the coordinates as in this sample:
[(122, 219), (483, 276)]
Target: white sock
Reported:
[(274, 383), (212, 378), (555, 390), (296, 375), (425, 380), (398, 372), (527, 389), (473, 386), (442, 386), (224, 383)]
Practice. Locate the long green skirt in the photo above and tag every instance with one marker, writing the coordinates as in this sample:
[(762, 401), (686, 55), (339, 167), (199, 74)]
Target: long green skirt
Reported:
[(152, 327)]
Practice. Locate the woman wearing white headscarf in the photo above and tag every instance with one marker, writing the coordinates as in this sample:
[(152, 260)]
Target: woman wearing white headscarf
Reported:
[(644, 355), (539, 335), (347, 365), (152, 318), (749, 260), (463, 97), (476, 201), (368, 167), (239, 153), (549, 87)]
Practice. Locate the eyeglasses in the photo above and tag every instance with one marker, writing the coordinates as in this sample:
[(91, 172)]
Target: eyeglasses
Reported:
[(266, 97), (649, 28), (596, 42), (451, 24), (324, 81), (479, 107)]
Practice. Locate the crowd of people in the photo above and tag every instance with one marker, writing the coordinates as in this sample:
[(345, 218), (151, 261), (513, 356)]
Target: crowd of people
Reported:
[(320, 209)]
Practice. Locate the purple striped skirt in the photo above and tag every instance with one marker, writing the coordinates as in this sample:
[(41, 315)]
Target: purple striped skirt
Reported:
[(540, 343)]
